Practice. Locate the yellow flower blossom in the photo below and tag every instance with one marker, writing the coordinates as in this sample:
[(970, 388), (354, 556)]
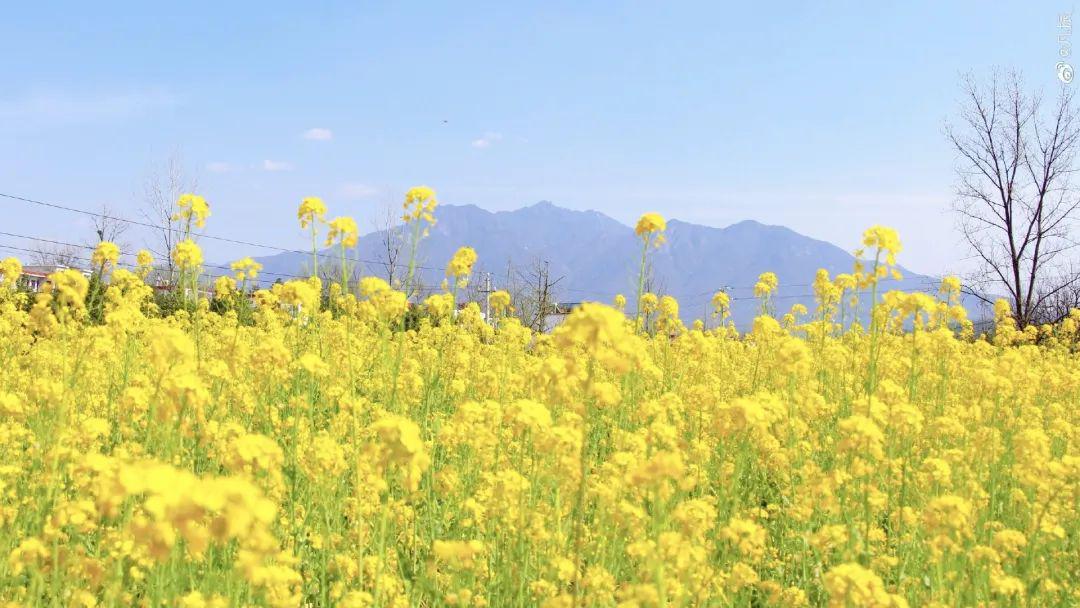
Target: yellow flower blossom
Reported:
[(192, 208), (187, 255), (461, 263), (387, 449), (10, 271), (650, 227), (106, 255), (420, 203), (246, 269), (766, 285), (312, 209), (343, 229)]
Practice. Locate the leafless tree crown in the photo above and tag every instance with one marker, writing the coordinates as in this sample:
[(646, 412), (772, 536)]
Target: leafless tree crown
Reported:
[(532, 293), (1016, 200), (392, 240), (110, 225), (55, 255), (161, 188)]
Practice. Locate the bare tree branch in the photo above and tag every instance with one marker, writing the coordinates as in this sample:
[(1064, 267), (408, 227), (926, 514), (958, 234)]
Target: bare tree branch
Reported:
[(109, 225), (47, 254), (161, 189), (1015, 198), (392, 241)]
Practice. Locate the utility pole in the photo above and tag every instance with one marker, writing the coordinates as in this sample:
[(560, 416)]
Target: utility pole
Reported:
[(487, 298), (545, 285)]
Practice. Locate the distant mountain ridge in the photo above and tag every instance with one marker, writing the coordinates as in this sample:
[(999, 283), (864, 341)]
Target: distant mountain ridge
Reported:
[(598, 257)]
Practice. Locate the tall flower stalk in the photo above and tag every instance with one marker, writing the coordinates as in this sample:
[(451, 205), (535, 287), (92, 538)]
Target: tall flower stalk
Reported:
[(344, 231), (311, 213), (191, 212), (650, 229), (459, 269), (419, 206)]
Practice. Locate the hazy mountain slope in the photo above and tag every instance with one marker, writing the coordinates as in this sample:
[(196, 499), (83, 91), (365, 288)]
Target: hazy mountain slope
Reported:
[(598, 256)]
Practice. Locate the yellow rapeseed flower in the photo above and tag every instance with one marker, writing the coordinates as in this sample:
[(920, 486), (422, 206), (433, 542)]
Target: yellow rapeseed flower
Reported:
[(766, 284), (192, 208), (187, 255), (312, 209), (106, 254), (420, 203), (343, 229), (461, 263), (650, 227), (10, 271), (650, 223)]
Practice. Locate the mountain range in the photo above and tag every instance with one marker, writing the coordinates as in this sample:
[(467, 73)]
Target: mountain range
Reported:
[(594, 257)]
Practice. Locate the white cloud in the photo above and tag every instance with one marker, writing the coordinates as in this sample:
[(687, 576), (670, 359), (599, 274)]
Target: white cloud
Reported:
[(487, 140), (357, 190), (319, 134), (219, 167), (63, 107), (276, 165)]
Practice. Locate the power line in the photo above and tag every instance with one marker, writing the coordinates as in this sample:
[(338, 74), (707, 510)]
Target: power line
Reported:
[(922, 285), (128, 253), (211, 237), (927, 284), (79, 258), (332, 256)]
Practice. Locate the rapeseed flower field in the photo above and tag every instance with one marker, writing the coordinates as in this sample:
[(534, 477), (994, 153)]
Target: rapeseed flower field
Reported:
[(303, 445)]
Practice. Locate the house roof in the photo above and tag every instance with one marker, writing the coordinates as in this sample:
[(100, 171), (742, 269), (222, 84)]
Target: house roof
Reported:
[(45, 271)]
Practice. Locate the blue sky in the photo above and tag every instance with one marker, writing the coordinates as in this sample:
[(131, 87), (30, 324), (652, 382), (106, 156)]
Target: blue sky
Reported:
[(823, 118)]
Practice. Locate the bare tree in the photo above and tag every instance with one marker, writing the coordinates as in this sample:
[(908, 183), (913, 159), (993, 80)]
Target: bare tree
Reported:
[(109, 225), (330, 272), (1015, 196), (532, 293), (654, 284), (517, 289), (1065, 297), (48, 254), (161, 188), (476, 288), (391, 242)]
